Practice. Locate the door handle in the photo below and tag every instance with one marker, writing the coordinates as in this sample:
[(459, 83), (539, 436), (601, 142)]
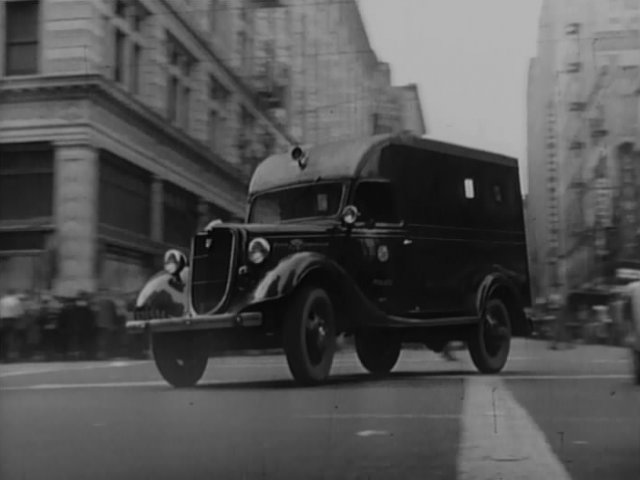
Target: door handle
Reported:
[(407, 241)]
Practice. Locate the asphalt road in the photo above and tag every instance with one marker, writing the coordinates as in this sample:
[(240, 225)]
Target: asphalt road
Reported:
[(550, 415)]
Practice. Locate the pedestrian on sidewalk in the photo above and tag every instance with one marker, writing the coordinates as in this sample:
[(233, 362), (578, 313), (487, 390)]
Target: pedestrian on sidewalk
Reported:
[(633, 291), (447, 352), (52, 344), (105, 324), (11, 313), (560, 310)]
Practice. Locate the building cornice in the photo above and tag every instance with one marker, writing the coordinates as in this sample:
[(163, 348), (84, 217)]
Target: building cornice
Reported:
[(94, 86)]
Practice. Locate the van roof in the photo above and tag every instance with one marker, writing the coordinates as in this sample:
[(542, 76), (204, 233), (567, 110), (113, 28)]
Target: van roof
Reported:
[(352, 158)]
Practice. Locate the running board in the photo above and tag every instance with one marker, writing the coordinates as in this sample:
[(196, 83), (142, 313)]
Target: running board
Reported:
[(402, 322)]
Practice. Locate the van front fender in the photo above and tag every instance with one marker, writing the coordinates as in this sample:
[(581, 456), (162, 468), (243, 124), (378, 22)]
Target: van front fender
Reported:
[(353, 305), (291, 271), (164, 296)]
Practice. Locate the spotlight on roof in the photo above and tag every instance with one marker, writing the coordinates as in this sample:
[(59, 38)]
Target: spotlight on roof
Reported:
[(300, 156)]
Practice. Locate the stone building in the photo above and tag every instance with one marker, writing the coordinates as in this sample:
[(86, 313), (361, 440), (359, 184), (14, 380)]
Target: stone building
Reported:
[(583, 155), (312, 64), (117, 121)]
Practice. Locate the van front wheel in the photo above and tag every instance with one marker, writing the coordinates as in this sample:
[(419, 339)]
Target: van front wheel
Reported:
[(490, 339), (309, 335), (180, 358)]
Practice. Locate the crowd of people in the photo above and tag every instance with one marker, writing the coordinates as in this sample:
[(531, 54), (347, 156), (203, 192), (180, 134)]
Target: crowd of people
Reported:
[(607, 320), (40, 326)]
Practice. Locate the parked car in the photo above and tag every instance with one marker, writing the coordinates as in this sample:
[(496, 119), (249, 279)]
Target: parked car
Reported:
[(392, 239)]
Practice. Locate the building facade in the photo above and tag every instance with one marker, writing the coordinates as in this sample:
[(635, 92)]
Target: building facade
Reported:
[(583, 154), (117, 121), (312, 64)]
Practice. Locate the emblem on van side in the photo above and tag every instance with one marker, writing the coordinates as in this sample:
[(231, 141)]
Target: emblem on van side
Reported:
[(383, 253), (296, 244)]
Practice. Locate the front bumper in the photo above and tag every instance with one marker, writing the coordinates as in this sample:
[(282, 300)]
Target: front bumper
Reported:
[(198, 322)]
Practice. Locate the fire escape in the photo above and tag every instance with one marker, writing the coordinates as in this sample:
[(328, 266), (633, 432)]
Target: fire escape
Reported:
[(552, 197), (576, 106)]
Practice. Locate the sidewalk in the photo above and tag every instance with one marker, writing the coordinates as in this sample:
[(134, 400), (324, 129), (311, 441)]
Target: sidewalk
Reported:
[(576, 351)]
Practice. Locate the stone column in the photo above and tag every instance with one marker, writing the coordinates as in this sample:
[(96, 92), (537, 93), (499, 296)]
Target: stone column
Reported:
[(76, 217), (157, 210)]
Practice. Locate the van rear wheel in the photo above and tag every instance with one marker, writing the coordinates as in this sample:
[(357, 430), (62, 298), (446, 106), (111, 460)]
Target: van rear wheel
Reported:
[(490, 339), (309, 335), (180, 357), (377, 351)]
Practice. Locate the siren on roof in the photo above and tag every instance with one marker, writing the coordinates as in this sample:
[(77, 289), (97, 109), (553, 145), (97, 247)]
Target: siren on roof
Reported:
[(299, 156)]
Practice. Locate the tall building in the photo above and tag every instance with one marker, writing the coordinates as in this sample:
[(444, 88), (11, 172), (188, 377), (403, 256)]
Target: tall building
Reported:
[(583, 154), (312, 64), (116, 122)]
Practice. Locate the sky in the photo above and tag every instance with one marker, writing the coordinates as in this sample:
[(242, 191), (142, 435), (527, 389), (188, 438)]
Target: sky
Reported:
[(469, 59)]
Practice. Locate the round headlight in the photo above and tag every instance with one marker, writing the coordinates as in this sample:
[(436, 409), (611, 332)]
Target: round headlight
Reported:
[(258, 250), (350, 214), (174, 261)]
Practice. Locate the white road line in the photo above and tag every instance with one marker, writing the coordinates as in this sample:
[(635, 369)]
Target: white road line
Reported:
[(604, 376), (392, 416), (509, 446), (373, 433), (65, 386), (70, 367)]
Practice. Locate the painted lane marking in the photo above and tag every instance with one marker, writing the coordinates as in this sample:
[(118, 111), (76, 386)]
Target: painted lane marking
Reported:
[(510, 446), (373, 433), (392, 416), (277, 362), (71, 367), (66, 386), (428, 376), (604, 376)]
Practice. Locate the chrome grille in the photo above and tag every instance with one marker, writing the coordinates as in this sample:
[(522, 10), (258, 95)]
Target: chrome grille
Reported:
[(211, 269)]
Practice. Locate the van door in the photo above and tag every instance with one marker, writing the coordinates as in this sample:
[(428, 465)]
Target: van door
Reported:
[(382, 270)]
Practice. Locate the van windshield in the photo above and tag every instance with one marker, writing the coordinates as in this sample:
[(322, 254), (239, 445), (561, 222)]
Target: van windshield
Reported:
[(308, 201)]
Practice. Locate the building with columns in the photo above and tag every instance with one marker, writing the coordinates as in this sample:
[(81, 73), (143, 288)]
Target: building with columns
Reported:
[(583, 154), (117, 121)]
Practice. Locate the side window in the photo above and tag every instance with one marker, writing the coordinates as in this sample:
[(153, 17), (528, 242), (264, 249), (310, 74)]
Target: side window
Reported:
[(376, 202), (469, 188), (414, 175), (498, 193), (500, 202)]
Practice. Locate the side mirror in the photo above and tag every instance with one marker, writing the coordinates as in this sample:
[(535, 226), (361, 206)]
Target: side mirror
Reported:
[(350, 215), (174, 262)]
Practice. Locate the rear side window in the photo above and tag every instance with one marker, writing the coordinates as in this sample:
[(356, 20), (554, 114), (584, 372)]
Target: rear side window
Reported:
[(376, 202), (501, 205), (432, 188), (435, 188)]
